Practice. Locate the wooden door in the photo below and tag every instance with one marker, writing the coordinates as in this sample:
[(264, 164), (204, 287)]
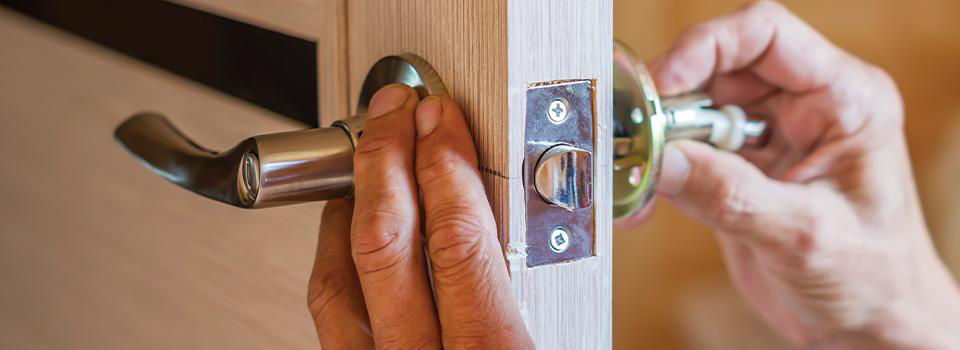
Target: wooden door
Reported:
[(489, 54), (97, 253)]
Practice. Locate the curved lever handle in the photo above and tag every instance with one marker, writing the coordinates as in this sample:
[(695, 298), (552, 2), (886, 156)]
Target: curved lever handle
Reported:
[(261, 171), (275, 169)]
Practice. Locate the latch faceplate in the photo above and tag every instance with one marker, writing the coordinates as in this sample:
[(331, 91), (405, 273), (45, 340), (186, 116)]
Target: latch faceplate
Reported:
[(558, 171)]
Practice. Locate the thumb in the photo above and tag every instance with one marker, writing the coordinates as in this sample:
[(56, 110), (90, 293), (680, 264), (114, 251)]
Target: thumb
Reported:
[(725, 191)]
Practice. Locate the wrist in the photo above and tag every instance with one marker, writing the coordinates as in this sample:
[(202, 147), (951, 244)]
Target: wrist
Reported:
[(929, 322), (923, 329), (926, 319)]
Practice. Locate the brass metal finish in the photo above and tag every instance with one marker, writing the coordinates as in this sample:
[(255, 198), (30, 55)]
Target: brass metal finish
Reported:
[(643, 123), (639, 133)]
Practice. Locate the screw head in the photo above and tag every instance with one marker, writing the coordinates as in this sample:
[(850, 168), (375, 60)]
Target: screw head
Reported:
[(248, 185), (557, 111), (559, 240)]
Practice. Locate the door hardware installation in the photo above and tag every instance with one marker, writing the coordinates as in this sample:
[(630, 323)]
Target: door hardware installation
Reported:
[(275, 169), (558, 166), (644, 122)]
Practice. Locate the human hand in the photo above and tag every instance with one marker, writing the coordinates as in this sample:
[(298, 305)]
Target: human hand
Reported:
[(821, 229), (370, 286)]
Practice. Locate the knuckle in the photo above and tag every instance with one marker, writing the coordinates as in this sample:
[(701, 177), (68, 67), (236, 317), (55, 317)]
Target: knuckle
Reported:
[(469, 337), (456, 241), (728, 203), (382, 240), (696, 32), (375, 146), (887, 88), (806, 248), (324, 288), (404, 342), (440, 164), (764, 7), (804, 244), (803, 247)]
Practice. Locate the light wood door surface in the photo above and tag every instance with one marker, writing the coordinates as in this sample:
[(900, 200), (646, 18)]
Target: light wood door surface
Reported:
[(488, 53), (98, 253)]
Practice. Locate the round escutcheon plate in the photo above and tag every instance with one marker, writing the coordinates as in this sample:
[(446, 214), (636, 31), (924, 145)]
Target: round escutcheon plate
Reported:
[(639, 133)]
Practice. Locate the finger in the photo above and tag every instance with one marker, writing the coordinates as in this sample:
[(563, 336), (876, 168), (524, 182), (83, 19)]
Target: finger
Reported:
[(385, 239), (636, 218), (764, 37), (474, 298), (741, 88), (730, 194), (334, 296)]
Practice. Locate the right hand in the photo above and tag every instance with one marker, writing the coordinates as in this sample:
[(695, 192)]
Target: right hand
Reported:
[(822, 229)]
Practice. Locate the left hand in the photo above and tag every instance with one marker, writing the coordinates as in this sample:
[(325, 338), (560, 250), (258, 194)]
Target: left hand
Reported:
[(370, 286)]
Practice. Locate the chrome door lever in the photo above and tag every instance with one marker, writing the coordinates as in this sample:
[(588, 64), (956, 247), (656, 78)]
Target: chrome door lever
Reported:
[(273, 169), (261, 171)]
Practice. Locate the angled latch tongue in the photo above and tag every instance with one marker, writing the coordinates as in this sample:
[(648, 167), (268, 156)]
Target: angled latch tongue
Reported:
[(563, 177)]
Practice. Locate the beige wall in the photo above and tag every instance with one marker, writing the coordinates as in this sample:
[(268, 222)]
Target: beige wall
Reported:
[(670, 287)]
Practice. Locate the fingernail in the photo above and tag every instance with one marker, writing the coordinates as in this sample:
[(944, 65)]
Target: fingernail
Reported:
[(429, 114), (388, 99), (674, 172)]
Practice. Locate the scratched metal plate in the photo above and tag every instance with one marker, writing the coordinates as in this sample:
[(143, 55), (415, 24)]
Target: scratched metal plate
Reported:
[(578, 130)]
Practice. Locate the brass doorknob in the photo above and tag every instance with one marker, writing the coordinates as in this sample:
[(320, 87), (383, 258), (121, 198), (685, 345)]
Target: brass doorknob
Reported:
[(644, 122), (274, 169)]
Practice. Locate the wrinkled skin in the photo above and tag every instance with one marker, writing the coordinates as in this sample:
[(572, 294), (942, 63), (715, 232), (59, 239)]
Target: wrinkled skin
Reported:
[(822, 229), (370, 287)]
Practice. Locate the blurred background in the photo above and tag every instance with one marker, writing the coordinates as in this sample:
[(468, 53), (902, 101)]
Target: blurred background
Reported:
[(670, 287)]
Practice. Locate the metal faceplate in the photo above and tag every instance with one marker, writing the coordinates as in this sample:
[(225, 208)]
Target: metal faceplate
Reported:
[(558, 171)]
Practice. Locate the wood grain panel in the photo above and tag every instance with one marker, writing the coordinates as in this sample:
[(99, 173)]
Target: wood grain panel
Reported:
[(487, 53), (568, 305), (98, 253)]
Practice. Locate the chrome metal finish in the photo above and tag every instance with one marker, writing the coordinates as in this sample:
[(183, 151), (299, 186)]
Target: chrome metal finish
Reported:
[(274, 169), (690, 116), (558, 171), (304, 166), (559, 240), (564, 177), (683, 121), (249, 184), (557, 111), (407, 69), (262, 171), (643, 123)]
